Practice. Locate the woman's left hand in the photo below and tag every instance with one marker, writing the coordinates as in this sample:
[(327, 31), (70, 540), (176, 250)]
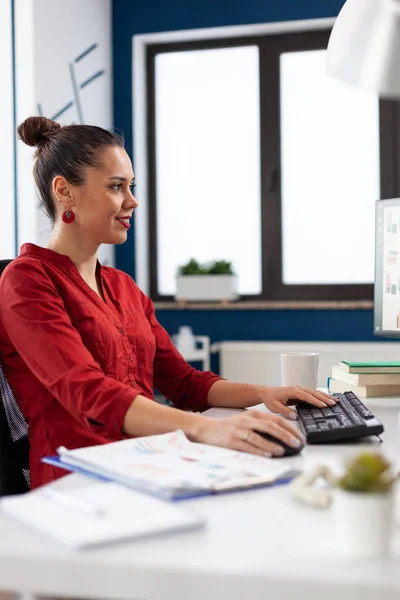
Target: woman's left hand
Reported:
[(278, 399)]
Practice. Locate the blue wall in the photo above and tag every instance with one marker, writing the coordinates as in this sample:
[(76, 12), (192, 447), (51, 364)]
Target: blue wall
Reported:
[(130, 18)]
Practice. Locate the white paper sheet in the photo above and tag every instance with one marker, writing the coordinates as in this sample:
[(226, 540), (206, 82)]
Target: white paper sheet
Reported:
[(126, 515)]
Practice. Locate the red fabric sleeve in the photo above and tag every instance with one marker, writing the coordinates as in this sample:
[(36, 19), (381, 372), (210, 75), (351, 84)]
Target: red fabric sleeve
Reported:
[(185, 386), (34, 318)]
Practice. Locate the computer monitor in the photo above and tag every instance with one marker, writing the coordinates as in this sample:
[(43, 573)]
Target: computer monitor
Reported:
[(387, 268)]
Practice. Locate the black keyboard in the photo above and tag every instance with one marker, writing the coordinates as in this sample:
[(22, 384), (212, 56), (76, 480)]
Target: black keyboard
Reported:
[(347, 420)]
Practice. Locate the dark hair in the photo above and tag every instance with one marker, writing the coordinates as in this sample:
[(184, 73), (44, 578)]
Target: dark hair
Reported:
[(64, 151)]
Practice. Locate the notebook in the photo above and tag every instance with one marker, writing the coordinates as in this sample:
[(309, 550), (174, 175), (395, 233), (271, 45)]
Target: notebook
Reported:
[(364, 391), (123, 514), (172, 467), (365, 379), (370, 366)]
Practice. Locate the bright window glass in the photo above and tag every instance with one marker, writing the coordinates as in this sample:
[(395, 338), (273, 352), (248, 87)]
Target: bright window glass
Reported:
[(208, 162), (330, 174)]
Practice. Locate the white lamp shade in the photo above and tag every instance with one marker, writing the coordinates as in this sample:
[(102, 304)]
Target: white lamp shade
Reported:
[(364, 48)]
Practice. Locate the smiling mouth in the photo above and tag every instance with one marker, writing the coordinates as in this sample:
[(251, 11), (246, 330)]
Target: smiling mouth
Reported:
[(124, 221)]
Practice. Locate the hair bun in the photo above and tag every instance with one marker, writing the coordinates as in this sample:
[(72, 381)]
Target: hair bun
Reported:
[(36, 130)]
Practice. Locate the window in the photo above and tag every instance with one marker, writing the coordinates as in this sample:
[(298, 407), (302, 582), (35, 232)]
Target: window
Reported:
[(207, 120), (256, 156), (318, 208)]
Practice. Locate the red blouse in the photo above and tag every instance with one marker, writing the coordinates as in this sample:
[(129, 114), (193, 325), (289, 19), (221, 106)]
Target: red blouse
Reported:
[(75, 362)]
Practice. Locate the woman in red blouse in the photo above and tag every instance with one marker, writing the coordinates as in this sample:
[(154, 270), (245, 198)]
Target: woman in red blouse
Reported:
[(80, 344)]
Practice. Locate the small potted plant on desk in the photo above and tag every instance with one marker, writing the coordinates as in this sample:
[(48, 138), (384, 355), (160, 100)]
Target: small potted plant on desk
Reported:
[(364, 507), (214, 281)]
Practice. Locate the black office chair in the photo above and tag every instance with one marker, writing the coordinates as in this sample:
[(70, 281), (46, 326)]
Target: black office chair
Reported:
[(14, 444)]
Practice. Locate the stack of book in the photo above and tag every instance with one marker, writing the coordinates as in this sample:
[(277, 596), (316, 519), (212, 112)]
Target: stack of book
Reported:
[(366, 379)]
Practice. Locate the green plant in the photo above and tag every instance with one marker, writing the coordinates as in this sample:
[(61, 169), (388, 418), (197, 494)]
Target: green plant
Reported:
[(220, 267), (191, 268), (367, 472), (216, 267)]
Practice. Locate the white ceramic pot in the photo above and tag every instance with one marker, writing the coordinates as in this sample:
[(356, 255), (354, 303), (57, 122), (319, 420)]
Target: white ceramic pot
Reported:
[(363, 523), (206, 287)]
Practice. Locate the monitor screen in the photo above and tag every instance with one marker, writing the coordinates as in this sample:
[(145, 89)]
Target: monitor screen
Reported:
[(387, 268)]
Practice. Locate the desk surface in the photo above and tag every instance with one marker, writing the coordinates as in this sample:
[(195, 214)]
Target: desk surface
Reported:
[(257, 544)]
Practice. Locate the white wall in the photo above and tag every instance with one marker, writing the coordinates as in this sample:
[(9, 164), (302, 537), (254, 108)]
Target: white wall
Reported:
[(24, 77), (50, 38), (7, 245)]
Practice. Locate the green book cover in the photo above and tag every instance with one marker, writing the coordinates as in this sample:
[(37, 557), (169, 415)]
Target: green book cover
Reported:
[(351, 364)]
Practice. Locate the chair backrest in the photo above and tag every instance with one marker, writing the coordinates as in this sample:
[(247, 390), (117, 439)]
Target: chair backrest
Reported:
[(14, 444)]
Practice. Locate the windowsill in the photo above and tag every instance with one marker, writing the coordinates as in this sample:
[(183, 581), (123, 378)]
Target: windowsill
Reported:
[(269, 305)]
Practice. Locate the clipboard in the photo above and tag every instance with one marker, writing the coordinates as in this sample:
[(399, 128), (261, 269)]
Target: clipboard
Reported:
[(171, 467)]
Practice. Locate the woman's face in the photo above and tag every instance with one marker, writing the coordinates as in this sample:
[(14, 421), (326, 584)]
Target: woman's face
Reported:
[(104, 205)]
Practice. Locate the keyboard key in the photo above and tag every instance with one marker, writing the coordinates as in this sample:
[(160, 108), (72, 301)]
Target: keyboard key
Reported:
[(354, 402), (365, 413), (310, 428), (353, 414), (357, 420), (316, 413), (327, 412), (305, 413), (345, 404), (322, 426), (337, 409), (353, 398)]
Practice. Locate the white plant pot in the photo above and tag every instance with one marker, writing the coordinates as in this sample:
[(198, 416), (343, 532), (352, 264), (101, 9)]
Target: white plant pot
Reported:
[(363, 523), (205, 288)]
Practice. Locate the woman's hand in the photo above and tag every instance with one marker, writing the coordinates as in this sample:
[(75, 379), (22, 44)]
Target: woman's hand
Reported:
[(239, 433), (278, 399)]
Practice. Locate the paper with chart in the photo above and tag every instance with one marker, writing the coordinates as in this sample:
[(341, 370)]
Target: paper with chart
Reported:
[(174, 466)]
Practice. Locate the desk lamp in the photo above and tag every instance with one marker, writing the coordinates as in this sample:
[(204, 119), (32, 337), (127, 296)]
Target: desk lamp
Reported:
[(364, 47)]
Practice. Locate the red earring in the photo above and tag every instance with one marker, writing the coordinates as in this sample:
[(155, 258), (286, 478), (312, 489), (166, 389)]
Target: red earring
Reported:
[(68, 216)]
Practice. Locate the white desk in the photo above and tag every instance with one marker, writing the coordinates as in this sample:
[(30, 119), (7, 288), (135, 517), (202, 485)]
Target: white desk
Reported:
[(257, 545)]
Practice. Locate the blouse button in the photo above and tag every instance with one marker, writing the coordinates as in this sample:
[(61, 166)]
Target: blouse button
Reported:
[(130, 358), (122, 330), (133, 383)]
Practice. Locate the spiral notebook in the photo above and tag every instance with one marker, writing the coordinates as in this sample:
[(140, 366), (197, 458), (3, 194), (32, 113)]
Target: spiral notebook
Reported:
[(172, 467)]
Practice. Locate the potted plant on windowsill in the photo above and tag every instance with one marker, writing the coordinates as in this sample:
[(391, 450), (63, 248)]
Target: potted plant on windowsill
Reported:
[(364, 506), (208, 282)]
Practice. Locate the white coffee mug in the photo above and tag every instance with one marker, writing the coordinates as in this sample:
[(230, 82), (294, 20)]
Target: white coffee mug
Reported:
[(300, 368)]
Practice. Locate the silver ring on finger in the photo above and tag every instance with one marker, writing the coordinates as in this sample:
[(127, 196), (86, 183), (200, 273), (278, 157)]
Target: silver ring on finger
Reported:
[(247, 436)]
